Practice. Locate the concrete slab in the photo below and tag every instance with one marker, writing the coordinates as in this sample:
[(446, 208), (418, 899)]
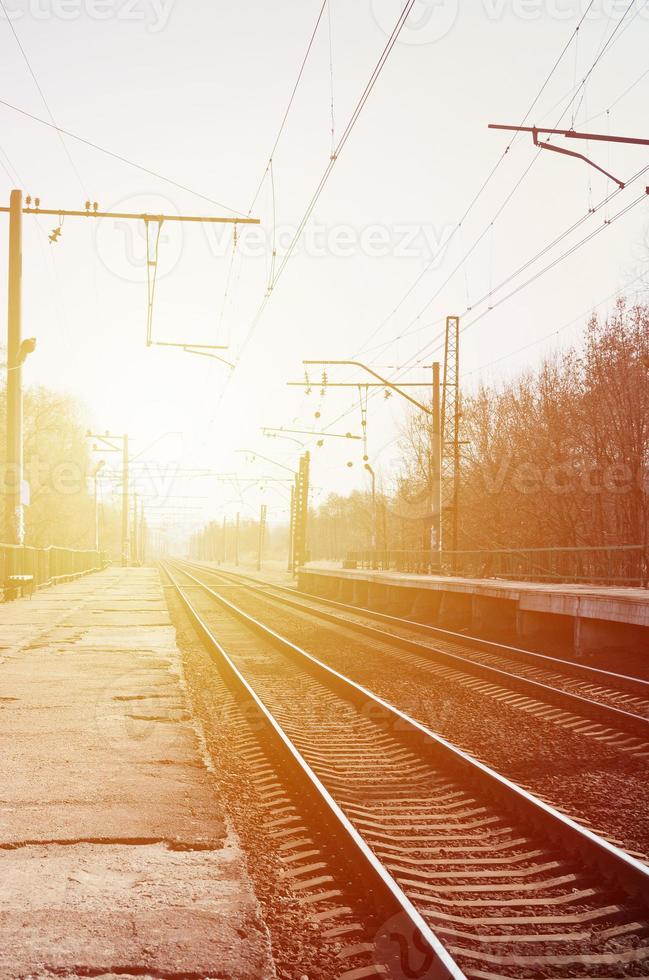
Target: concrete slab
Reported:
[(623, 605), (115, 857)]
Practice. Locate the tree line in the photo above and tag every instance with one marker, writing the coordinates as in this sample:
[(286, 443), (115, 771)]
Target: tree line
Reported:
[(557, 457)]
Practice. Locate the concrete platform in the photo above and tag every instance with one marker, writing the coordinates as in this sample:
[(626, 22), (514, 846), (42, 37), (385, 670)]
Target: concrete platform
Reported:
[(587, 617), (115, 856)]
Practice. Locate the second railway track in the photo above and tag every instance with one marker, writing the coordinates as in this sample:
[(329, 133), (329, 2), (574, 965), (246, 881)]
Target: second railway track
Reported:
[(498, 883), (603, 705)]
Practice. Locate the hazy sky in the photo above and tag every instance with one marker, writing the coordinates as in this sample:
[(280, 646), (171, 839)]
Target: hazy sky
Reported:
[(196, 92)]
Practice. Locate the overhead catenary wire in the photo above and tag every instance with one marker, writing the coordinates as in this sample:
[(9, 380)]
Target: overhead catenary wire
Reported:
[(481, 189), (436, 343), (461, 263), (290, 103), (120, 158), (269, 164), (378, 68), (42, 95)]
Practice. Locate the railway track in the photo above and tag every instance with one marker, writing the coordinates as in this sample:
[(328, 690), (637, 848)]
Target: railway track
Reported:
[(601, 705), (475, 876)]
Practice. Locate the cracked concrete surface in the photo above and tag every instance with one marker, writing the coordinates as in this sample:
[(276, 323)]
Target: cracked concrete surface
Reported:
[(115, 858)]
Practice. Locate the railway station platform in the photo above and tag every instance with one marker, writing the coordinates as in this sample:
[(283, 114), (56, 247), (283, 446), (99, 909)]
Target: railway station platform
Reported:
[(586, 618), (115, 854)]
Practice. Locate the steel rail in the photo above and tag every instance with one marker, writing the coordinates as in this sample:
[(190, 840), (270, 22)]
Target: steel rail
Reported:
[(611, 860), (447, 968), (489, 646), (624, 721)]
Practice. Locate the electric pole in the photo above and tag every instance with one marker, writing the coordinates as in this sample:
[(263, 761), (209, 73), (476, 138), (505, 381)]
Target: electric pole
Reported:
[(125, 542), (17, 349), (237, 530), (291, 527), (451, 425), (108, 441), (432, 520), (95, 477), (134, 535), (224, 540), (301, 511), (14, 517), (436, 472), (262, 534)]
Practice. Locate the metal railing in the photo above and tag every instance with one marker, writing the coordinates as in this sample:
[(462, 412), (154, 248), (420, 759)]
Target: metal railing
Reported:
[(616, 565), (46, 565)]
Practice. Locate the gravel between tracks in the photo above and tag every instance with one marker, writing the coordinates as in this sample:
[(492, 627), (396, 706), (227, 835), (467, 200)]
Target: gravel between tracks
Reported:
[(299, 950), (596, 784)]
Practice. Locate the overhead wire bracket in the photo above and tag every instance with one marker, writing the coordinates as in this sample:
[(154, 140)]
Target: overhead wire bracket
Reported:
[(572, 134)]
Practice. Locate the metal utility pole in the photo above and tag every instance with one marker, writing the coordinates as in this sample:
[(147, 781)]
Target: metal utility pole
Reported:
[(95, 477), (17, 349), (291, 528), (142, 534), (432, 520), (224, 531), (237, 529), (451, 425), (14, 515), (301, 507), (134, 536), (370, 470), (125, 542), (262, 534), (436, 472), (109, 446)]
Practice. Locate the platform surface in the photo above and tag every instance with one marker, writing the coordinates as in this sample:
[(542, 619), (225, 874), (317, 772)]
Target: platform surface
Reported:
[(616, 604), (115, 856)]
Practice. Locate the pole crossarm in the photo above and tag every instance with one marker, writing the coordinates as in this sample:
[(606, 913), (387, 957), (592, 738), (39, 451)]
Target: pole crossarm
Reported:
[(384, 383), (359, 384), (104, 438), (185, 346), (306, 432), (203, 350), (131, 215), (266, 459), (573, 134)]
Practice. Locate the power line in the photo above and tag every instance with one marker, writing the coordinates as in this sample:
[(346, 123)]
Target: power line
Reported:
[(346, 133), (269, 165), (42, 95), (483, 186), (554, 333), (378, 68), (430, 348), (290, 103), (117, 156), (511, 193), (550, 245)]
